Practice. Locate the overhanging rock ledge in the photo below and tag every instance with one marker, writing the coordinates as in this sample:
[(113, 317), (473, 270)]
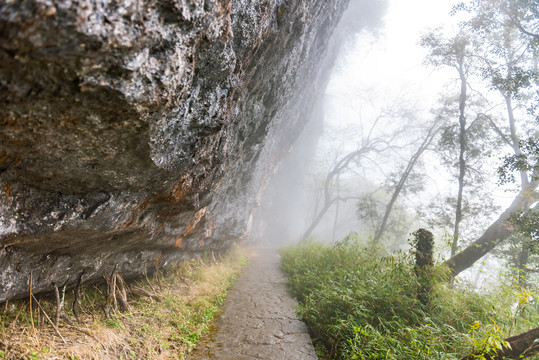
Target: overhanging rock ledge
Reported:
[(135, 133)]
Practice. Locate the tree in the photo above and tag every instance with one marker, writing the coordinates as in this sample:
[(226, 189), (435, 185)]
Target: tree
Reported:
[(375, 140), (516, 347), (508, 64), (330, 191), (372, 206), (524, 247), (497, 232), (462, 142), (402, 181)]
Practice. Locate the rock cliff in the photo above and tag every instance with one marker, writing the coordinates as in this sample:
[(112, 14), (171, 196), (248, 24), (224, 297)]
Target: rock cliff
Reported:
[(134, 133)]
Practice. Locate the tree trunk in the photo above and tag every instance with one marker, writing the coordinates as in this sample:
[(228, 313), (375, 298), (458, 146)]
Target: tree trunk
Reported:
[(462, 160), (336, 219), (515, 140), (520, 346), (424, 244), (522, 261), (316, 220), (396, 192), (498, 231), (328, 197)]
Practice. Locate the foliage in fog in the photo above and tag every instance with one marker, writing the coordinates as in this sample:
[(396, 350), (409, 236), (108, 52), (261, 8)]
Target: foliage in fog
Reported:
[(443, 169), (485, 135), (361, 303)]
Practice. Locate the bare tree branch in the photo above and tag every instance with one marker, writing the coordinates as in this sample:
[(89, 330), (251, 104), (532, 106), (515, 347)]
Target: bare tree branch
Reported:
[(433, 130)]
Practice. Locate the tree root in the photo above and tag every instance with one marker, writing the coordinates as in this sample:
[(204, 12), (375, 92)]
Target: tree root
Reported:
[(520, 346)]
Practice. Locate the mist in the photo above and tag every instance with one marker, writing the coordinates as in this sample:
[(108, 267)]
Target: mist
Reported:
[(285, 209), (382, 96), (362, 175)]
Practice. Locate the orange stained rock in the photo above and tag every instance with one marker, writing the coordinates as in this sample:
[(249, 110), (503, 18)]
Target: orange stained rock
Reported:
[(179, 242), (198, 216), (69, 121), (157, 259), (136, 213), (161, 228), (7, 191), (181, 189)]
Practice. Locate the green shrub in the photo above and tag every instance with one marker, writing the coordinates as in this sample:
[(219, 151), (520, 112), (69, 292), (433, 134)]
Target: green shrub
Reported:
[(360, 303)]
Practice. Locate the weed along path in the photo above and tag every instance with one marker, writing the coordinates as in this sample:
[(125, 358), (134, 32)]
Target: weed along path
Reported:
[(258, 319)]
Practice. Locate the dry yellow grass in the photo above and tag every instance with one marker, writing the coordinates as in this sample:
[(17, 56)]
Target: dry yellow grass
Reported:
[(165, 325)]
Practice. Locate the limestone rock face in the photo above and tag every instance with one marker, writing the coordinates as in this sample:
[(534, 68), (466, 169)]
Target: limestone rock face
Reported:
[(134, 133)]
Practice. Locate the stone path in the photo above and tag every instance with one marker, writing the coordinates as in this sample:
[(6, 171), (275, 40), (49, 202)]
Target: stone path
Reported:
[(258, 320)]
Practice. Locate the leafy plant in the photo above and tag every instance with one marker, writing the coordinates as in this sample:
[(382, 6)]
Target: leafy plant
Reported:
[(361, 303), (166, 320)]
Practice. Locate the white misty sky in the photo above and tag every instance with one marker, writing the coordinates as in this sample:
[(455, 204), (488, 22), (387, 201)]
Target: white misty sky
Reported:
[(390, 68), (386, 69), (391, 65)]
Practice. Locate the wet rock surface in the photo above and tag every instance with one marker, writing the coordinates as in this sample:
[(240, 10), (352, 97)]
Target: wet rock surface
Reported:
[(135, 133), (258, 319)]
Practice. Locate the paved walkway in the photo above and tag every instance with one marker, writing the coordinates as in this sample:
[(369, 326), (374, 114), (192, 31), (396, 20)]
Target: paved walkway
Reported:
[(258, 320)]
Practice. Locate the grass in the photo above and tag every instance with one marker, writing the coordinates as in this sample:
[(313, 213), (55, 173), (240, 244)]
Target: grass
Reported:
[(360, 303), (165, 323)]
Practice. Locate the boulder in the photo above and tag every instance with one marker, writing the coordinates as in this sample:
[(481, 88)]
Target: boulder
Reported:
[(135, 134)]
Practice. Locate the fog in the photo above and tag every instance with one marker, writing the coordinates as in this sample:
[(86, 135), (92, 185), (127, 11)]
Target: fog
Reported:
[(382, 97), (380, 61)]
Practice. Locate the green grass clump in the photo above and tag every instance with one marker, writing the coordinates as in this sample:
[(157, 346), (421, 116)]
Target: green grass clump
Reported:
[(360, 303), (168, 315)]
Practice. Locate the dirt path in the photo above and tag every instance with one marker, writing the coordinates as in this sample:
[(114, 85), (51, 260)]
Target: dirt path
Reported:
[(258, 321)]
